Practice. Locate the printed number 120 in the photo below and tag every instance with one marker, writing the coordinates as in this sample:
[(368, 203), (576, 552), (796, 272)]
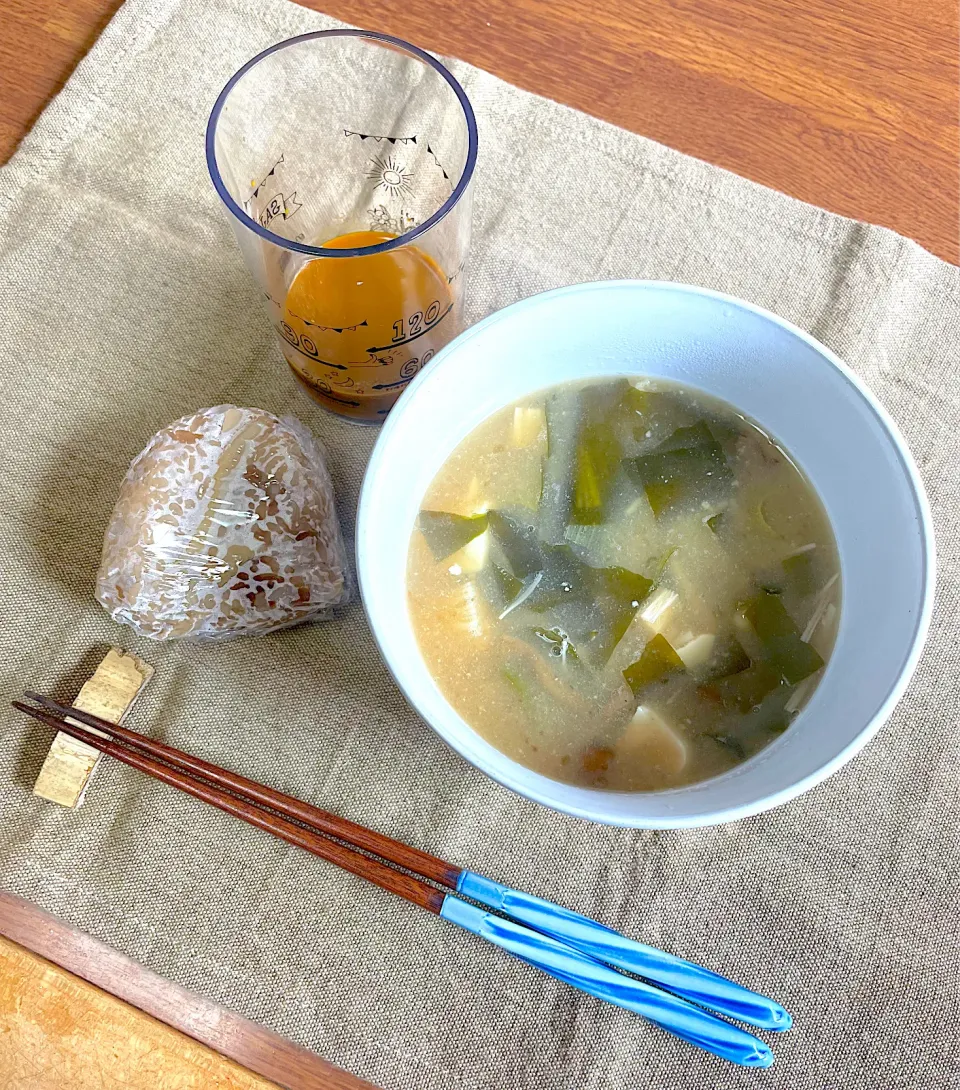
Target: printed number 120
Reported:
[(402, 329)]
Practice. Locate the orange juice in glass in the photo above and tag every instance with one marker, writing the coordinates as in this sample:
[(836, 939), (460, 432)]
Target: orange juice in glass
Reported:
[(346, 159)]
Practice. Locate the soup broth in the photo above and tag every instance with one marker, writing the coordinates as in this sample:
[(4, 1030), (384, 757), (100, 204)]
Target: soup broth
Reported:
[(624, 584)]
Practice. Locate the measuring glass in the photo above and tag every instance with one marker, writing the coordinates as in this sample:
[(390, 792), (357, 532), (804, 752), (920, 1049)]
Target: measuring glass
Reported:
[(346, 159)]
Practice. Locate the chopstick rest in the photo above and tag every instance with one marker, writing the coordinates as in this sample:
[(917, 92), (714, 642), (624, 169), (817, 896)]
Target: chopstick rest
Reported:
[(684, 978)]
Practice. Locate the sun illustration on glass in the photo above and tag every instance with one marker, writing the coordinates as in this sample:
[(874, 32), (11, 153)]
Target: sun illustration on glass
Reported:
[(390, 175)]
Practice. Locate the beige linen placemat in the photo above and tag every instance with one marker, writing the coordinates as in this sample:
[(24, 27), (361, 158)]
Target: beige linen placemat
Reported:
[(125, 304)]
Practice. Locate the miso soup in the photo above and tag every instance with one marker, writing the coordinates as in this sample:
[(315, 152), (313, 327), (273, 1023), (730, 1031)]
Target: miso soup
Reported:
[(624, 584)]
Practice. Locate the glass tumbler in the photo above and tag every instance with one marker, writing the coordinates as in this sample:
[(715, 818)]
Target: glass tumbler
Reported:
[(346, 159)]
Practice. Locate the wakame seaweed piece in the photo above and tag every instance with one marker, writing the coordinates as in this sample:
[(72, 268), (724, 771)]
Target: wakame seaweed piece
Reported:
[(508, 585), (799, 571), (692, 437), (625, 585), (499, 586), (615, 628), (714, 521), (608, 599), (566, 578), (751, 728), (743, 690), (656, 663), (685, 451), (780, 638), (598, 454), (518, 542), (446, 533), (728, 658), (671, 472), (725, 432), (642, 402), (620, 593), (771, 714)]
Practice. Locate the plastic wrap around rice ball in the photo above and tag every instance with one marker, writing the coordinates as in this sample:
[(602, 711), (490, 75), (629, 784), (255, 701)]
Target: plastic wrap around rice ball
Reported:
[(225, 525)]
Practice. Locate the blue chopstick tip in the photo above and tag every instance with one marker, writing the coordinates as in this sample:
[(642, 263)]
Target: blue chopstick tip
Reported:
[(762, 1057), (781, 1021)]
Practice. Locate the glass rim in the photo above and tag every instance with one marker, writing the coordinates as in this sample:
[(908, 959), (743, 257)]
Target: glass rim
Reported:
[(323, 251)]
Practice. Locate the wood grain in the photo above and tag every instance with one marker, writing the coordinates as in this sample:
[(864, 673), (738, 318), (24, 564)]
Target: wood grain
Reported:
[(850, 106), (46, 1017), (256, 1048)]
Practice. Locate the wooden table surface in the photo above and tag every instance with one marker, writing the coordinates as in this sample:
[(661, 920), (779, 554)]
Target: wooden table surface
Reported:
[(49, 1018), (852, 106)]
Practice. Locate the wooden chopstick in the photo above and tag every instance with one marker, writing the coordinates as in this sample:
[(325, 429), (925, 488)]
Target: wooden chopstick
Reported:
[(569, 947), (321, 821), (404, 885)]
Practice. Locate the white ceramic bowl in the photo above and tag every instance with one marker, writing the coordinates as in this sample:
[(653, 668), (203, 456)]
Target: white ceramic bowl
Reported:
[(777, 374)]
